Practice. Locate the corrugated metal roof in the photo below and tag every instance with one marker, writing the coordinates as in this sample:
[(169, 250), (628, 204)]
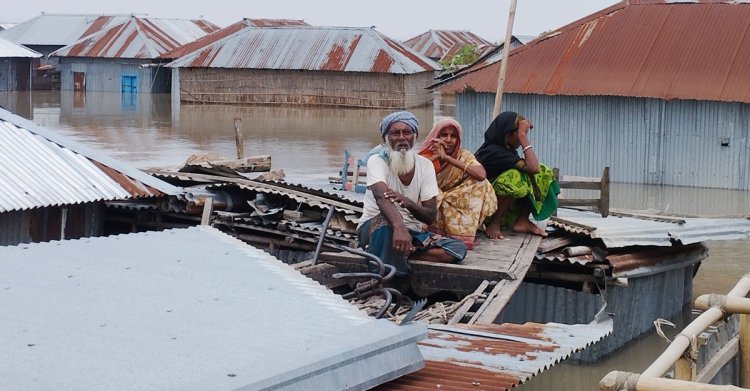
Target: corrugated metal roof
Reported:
[(9, 49), (58, 29), (435, 43), (229, 30), (276, 22), (651, 48), (39, 168), (628, 231), (187, 309), (347, 49), (138, 37), (495, 357)]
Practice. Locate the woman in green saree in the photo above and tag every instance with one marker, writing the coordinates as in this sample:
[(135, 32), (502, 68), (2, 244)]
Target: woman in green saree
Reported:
[(522, 184)]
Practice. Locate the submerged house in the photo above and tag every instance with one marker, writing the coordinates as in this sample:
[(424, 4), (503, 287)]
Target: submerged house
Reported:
[(438, 44), (126, 57), (48, 32), (305, 65), (650, 88), (15, 66), (53, 188)]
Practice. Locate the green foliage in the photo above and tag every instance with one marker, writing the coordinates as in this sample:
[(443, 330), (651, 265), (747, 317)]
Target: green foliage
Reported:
[(465, 56)]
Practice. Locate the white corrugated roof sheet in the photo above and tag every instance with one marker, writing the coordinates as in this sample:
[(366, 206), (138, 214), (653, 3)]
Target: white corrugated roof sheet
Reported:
[(138, 37), (346, 49), (12, 50), (39, 168), (187, 309), (629, 231), (56, 29)]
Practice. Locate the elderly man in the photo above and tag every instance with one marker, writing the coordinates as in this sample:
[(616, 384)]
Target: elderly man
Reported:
[(400, 198)]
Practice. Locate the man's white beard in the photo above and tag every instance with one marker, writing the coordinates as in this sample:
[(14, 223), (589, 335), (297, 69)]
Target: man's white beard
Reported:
[(401, 162)]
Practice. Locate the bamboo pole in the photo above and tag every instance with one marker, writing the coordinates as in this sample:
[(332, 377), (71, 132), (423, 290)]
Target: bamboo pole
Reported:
[(238, 138), (732, 305), (745, 350), (624, 381), (674, 351), (504, 63)]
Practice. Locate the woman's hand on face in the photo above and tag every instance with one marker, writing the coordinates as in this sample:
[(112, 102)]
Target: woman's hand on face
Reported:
[(439, 149), (523, 129)]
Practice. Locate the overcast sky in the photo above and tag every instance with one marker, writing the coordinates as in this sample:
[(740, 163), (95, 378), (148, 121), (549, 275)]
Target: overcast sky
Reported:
[(399, 19)]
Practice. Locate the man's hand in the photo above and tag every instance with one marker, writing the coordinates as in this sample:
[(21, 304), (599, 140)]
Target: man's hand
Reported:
[(397, 198), (402, 242)]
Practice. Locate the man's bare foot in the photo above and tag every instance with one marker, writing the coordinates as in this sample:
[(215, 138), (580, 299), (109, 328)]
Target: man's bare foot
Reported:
[(523, 225), (493, 232)]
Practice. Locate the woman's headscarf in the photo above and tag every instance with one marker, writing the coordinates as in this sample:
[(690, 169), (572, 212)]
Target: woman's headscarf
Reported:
[(494, 154), (434, 135)]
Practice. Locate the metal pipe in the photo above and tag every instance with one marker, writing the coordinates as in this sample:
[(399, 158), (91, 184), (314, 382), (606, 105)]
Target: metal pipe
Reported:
[(322, 235), (388, 300)]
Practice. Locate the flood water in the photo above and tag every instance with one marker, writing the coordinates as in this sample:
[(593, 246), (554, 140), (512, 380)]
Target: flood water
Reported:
[(308, 144)]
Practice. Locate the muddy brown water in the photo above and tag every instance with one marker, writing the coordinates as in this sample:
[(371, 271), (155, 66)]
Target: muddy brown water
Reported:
[(308, 144)]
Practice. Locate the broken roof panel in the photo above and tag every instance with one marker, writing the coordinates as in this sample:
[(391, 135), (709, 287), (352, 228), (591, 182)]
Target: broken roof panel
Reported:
[(12, 50), (435, 43), (184, 309), (495, 357), (652, 48), (629, 231), (58, 29), (137, 37), (346, 49), (39, 168)]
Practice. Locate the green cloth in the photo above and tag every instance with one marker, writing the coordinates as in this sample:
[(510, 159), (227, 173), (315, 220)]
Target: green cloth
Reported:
[(517, 184)]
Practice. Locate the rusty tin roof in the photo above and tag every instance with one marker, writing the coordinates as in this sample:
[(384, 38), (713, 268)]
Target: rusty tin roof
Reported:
[(39, 168), (137, 37), (347, 49), (640, 48), (436, 43), (59, 29), (495, 357), (229, 30)]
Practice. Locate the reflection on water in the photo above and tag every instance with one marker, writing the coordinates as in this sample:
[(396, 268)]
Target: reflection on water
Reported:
[(308, 143)]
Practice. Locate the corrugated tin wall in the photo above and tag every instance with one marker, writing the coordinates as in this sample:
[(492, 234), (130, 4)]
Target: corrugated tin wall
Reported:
[(43, 224), (635, 307), (106, 74), (12, 72), (648, 141)]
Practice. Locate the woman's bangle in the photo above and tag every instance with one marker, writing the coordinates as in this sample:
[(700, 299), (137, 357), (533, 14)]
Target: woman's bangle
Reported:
[(526, 147)]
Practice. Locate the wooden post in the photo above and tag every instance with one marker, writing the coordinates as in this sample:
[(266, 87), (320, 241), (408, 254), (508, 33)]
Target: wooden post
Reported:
[(744, 350), (504, 64), (685, 368), (604, 193), (238, 138), (208, 209)]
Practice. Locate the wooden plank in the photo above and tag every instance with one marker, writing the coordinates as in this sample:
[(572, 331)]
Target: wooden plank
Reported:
[(583, 185), (720, 358), (578, 202), (549, 244), (208, 208), (582, 179), (556, 219), (604, 194), (461, 312), (505, 289), (463, 270)]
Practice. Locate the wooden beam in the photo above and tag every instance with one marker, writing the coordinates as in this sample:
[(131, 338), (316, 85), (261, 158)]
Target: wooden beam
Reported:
[(466, 306), (238, 138), (719, 360), (208, 208)]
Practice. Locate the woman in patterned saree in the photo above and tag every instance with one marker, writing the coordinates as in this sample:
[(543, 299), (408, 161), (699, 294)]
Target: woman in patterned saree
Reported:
[(522, 184), (466, 198)]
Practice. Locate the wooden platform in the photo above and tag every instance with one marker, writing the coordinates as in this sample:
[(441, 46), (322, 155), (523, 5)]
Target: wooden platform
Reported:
[(501, 263)]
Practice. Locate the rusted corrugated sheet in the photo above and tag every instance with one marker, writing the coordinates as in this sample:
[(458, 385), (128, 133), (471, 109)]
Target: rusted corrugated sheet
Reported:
[(138, 38), (495, 357), (435, 43), (275, 22), (37, 169), (59, 29), (205, 40), (653, 48), (346, 49)]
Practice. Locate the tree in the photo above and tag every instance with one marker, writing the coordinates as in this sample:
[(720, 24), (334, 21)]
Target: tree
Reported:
[(466, 55)]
